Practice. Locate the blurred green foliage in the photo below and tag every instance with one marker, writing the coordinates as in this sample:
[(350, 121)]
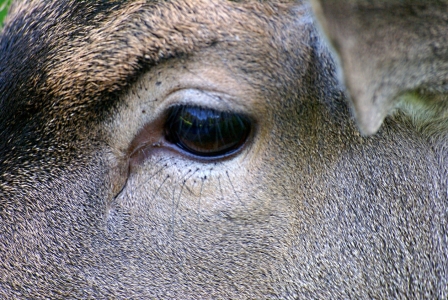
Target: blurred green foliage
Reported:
[(4, 5)]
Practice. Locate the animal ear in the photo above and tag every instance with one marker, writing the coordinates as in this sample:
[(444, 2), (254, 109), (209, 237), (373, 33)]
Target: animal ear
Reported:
[(393, 54)]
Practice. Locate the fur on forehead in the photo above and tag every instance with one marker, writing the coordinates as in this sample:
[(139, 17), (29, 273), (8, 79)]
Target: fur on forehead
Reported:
[(71, 68)]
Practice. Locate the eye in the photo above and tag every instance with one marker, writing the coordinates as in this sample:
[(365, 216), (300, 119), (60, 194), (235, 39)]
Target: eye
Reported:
[(206, 132)]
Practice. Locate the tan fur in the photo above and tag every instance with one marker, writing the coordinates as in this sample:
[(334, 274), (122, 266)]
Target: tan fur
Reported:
[(309, 208)]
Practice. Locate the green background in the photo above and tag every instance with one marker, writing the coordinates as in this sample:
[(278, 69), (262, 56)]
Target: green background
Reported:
[(3, 9)]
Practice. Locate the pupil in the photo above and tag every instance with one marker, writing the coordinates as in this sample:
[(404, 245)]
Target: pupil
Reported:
[(206, 132)]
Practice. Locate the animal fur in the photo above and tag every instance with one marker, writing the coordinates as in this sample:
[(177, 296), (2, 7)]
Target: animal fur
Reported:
[(309, 208)]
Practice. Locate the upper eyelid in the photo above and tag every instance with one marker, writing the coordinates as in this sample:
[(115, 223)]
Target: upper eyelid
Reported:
[(197, 97)]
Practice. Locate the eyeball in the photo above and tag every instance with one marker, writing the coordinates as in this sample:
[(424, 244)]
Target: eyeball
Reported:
[(206, 132)]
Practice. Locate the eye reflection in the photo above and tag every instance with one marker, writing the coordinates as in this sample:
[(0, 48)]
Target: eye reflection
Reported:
[(206, 132)]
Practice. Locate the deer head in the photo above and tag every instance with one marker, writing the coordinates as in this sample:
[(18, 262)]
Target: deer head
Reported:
[(203, 149)]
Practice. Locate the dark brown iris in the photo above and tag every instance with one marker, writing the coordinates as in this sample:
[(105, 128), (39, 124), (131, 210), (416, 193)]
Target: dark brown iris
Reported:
[(206, 132)]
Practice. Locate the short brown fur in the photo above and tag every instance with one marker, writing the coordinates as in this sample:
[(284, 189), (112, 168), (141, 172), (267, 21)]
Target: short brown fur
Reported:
[(309, 208)]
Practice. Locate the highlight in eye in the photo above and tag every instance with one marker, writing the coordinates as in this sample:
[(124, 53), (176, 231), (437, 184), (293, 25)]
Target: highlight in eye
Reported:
[(206, 132)]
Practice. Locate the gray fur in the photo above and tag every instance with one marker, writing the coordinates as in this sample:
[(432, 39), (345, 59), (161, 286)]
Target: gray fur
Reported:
[(309, 208)]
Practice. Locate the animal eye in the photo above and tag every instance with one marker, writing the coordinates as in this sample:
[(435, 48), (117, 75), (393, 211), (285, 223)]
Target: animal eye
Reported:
[(206, 132)]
